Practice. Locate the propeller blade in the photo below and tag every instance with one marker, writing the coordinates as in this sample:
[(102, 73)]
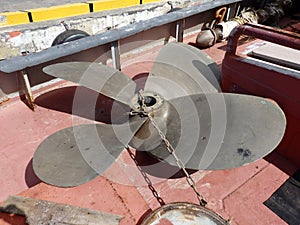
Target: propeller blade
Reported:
[(221, 131), (98, 77), (192, 72), (78, 154)]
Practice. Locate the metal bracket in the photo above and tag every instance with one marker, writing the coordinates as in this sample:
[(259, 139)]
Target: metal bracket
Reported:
[(115, 54), (179, 30), (27, 89), (3, 97)]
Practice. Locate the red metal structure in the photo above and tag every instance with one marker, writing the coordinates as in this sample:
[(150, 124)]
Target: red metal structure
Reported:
[(247, 75)]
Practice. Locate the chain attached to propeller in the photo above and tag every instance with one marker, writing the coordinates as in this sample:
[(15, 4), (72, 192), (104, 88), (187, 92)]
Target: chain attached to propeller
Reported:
[(144, 103), (207, 129)]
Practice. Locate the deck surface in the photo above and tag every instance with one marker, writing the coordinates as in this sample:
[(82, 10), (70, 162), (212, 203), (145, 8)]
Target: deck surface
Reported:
[(236, 194)]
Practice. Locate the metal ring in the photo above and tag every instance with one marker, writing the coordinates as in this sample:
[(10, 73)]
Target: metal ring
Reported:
[(179, 212)]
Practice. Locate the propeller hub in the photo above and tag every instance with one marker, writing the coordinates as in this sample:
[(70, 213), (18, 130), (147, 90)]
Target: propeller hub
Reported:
[(147, 138), (152, 102)]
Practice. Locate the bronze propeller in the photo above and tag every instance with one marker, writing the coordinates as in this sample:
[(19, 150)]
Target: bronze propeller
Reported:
[(208, 129)]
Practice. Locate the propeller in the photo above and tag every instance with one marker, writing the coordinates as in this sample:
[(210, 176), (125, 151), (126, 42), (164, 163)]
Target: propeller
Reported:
[(100, 78), (208, 129), (184, 68), (221, 131), (76, 155)]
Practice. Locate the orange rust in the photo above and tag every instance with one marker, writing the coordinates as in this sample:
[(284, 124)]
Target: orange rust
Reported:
[(14, 34)]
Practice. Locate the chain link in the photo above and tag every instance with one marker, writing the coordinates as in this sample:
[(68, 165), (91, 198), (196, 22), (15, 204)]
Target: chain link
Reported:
[(171, 150), (146, 178)]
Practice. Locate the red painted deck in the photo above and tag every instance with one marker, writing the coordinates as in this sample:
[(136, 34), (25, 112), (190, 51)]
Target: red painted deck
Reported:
[(236, 194)]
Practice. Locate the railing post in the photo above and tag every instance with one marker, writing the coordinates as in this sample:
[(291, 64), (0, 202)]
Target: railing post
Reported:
[(115, 55)]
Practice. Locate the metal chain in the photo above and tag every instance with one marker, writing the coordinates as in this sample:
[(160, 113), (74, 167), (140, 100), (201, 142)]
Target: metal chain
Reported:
[(146, 178), (171, 150)]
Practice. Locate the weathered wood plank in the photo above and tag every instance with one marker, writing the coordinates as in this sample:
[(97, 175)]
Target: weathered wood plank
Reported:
[(43, 212)]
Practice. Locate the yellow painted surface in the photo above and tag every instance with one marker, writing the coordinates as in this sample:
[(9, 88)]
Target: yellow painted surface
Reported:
[(63, 11), (57, 12), (13, 18), (112, 4)]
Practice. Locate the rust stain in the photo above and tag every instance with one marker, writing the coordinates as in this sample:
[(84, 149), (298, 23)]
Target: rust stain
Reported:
[(14, 34)]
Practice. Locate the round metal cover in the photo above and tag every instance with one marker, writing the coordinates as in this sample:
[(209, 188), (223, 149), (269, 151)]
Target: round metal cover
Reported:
[(184, 214)]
